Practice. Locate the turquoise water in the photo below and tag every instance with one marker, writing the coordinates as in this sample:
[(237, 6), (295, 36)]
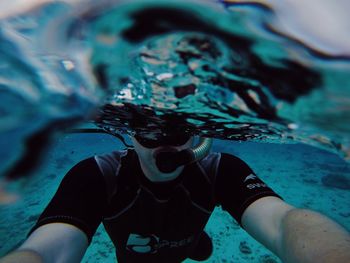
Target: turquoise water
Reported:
[(236, 75)]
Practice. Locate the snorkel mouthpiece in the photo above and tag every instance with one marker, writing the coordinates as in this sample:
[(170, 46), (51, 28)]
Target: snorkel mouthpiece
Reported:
[(169, 161)]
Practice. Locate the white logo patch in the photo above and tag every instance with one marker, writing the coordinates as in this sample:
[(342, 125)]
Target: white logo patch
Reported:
[(151, 244), (141, 244), (257, 185), (250, 177)]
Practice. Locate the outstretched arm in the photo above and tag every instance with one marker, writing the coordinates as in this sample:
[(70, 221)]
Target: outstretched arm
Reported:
[(27, 256), (67, 224), (296, 235), (56, 242), (308, 236)]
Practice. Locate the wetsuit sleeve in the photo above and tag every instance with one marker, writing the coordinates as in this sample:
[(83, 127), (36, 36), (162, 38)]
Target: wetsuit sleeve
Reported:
[(81, 199), (237, 186)]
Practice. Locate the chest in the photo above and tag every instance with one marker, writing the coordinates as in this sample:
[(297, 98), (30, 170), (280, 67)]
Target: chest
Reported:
[(140, 211)]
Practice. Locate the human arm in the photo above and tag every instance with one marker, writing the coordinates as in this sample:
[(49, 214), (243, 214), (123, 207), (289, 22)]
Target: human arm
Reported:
[(296, 235), (22, 255), (50, 243), (66, 226), (273, 222)]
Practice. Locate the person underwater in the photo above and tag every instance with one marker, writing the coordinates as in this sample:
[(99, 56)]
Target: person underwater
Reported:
[(155, 200)]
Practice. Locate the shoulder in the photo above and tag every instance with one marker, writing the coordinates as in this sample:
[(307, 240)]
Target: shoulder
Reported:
[(80, 200), (83, 179), (233, 171), (229, 162), (223, 165), (237, 186), (110, 163), (82, 170), (232, 159), (222, 159)]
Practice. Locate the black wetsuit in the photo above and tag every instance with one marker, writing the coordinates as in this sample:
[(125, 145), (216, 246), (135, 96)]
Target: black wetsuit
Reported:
[(152, 222)]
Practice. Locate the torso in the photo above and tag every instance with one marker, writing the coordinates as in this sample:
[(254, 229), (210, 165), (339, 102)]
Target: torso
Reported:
[(144, 222)]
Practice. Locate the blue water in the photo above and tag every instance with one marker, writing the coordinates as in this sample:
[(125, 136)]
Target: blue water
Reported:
[(252, 80), (237, 73)]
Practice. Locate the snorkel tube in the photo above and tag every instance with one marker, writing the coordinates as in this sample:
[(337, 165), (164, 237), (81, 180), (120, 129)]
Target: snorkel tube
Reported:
[(168, 162)]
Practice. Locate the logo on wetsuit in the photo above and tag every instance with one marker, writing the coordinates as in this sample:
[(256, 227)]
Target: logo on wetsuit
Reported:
[(254, 185), (151, 244), (250, 177)]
